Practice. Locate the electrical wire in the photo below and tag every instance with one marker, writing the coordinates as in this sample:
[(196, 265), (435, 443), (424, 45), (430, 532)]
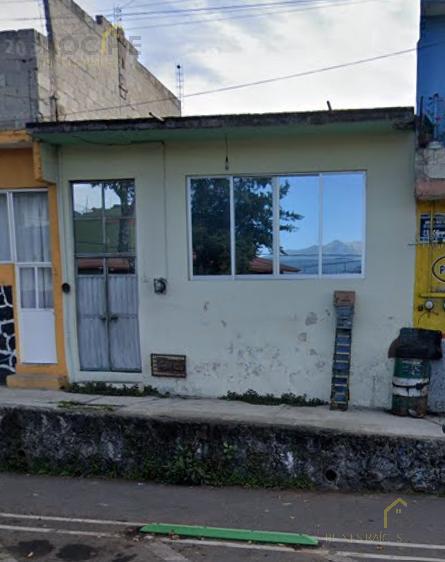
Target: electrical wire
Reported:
[(244, 16), (312, 4), (258, 82), (229, 8)]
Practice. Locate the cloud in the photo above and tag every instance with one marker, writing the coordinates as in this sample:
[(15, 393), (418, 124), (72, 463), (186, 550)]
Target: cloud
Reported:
[(223, 52)]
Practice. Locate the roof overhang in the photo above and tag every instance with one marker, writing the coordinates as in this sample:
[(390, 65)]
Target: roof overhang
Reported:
[(135, 131)]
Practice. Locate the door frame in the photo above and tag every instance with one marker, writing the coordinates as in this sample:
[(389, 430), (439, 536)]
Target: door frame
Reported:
[(99, 375), (17, 266)]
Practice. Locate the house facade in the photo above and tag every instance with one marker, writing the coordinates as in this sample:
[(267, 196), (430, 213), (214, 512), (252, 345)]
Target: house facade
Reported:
[(201, 254), (83, 67)]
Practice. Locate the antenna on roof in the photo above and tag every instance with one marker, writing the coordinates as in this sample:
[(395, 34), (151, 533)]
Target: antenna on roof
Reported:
[(329, 105), (180, 84), (117, 15)]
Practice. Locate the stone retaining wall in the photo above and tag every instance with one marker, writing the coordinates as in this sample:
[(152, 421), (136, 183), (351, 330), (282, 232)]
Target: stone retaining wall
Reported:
[(102, 443)]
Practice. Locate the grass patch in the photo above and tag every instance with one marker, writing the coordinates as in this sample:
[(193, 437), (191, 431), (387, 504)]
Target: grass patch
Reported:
[(106, 389), (73, 405), (252, 397)]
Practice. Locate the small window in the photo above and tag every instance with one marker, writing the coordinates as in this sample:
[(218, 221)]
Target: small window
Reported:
[(286, 226), (5, 245), (36, 287)]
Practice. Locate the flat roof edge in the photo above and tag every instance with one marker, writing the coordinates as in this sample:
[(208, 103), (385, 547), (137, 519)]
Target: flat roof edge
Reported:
[(404, 116)]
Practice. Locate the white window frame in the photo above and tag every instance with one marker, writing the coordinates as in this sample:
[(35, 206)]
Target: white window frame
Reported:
[(276, 229), (13, 248), (8, 218)]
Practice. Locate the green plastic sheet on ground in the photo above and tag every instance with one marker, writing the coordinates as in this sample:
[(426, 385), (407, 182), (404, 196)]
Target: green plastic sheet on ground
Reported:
[(270, 537)]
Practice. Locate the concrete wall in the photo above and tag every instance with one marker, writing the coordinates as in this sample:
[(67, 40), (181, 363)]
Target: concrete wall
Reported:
[(18, 82), (84, 65), (269, 335), (96, 67)]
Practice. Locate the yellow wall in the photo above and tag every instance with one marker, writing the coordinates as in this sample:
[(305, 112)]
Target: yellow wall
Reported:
[(18, 168), (430, 284)]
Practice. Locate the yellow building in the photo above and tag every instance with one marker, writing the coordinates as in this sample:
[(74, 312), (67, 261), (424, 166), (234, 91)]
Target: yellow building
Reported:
[(32, 344)]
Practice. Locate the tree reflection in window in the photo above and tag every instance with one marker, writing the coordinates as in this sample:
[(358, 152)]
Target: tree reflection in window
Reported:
[(104, 217), (210, 207)]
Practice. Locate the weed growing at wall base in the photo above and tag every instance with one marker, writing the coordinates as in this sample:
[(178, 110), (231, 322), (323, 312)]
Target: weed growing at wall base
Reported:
[(252, 397), (106, 389)]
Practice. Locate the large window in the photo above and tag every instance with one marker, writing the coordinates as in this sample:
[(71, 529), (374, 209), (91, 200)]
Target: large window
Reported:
[(277, 226)]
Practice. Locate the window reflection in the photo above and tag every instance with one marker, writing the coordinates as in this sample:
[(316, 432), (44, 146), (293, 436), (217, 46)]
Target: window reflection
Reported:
[(90, 266), (253, 225), (299, 225), (342, 249), (210, 209), (121, 266), (317, 228), (104, 217), (89, 236), (120, 236), (87, 199)]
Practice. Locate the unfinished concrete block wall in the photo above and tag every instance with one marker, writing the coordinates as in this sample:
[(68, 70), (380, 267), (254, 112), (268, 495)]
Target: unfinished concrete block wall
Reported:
[(18, 78), (83, 69), (96, 74)]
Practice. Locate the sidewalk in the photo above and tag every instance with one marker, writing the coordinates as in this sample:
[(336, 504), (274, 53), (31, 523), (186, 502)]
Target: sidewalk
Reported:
[(354, 421)]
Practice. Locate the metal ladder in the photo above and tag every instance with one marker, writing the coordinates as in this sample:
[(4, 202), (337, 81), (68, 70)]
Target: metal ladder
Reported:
[(344, 307)]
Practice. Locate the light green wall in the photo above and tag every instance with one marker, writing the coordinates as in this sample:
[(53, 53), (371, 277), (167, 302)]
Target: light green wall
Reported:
[(247, 334)]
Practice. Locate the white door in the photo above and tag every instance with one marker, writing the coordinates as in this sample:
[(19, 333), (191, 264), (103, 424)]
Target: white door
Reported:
[(34, 277)]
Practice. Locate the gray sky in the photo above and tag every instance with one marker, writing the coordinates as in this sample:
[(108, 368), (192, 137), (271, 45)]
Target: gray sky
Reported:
[(283, 40)]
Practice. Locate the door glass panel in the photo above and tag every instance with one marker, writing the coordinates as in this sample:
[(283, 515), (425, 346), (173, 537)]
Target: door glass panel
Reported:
[(90, 266), (87, 200), (45, 287), (299, 225), (119, 198), (120, 234), (32, 227), (89, 236), (27, 288), (343, 218), (253, 225), (121, 266), (5, 250)]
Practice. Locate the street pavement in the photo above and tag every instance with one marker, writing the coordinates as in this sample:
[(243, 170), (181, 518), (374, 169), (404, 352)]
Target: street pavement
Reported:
[(48, 519)]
